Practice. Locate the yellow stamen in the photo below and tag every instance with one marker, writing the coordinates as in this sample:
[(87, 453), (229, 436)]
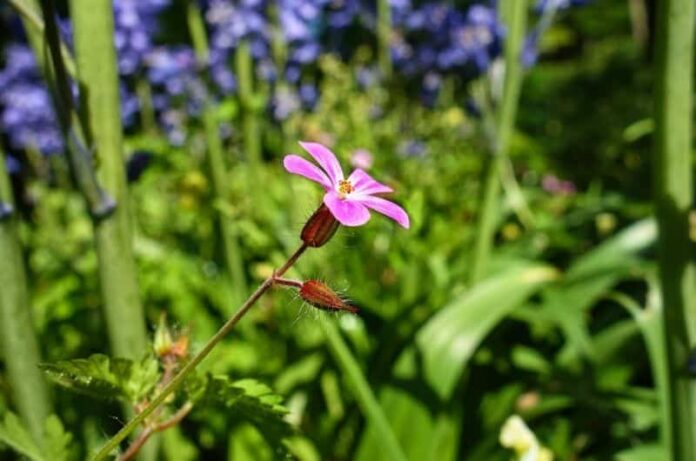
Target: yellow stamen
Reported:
[(344, 188)]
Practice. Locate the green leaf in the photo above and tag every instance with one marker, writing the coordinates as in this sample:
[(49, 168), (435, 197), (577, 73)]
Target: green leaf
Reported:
[(57, 440), (588, 279), (649, 452), (451, 336), (14, 434), (106, 378), (251, 401)]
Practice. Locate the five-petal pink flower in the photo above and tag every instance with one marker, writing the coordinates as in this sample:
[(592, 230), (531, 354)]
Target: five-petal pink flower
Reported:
[(348, 199)]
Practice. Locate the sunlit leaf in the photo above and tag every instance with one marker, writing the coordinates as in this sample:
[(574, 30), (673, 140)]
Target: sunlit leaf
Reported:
[(106, 378), (448, 340), (15, 435), (252, 401)]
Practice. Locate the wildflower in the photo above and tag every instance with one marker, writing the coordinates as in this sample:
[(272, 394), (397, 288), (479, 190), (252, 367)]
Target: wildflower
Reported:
[(518, 437), (348, 199)]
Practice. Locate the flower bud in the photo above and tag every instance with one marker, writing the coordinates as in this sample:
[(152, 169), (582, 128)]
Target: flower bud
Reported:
[(322, 297), (320, 227)]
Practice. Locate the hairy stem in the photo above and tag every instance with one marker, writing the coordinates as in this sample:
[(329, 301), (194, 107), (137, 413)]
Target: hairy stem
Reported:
[(145, 435), (180, 377)]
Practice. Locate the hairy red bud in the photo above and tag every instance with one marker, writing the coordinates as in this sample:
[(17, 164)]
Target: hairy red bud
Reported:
[(322, 297), (320, 227)]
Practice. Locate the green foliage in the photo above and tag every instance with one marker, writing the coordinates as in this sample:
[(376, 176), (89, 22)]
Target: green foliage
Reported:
[(452, 335), (564, 329), (106, 378), (14, 434), (248, 400), (57, 445)]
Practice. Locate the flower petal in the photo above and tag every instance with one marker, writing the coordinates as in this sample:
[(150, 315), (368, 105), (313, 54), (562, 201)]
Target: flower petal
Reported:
[(297, 165), (387, 208), (326, 159), (364, 184), (348, 212)]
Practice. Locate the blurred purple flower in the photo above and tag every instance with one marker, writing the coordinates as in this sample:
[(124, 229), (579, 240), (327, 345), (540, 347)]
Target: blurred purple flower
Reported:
[(12, 164), (556, 186), (285, 102), (412, 148), (135, 24), (26, 108), (361, 158), (308, 96)]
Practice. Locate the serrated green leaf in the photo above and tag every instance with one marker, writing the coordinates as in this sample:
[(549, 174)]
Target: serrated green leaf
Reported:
[(57, 440), (252, 401), (106, 378), (14, 434)]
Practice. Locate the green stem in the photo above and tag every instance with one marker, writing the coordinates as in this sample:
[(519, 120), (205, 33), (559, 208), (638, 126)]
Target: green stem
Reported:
[(514, 13), (35, 27), (673, 199), (147, 111), (363, 393), (17, 335), (179, 379), (384, 30), (244, 68), (49, 53), (216, 163), (96, 66)]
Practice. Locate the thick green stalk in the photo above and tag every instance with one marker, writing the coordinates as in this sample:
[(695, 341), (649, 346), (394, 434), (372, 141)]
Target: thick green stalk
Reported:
[(384, 31), (98, 79), (244, 68), (673, 199), (17, 335), (514, 14), (363, 393), (216, 163)]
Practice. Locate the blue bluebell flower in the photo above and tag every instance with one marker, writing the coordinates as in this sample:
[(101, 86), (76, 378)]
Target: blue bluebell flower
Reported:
[(12, 164), (26, 110), (135, 24)]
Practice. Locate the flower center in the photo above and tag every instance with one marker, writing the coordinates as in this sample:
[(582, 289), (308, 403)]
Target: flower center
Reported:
[(344, 188)]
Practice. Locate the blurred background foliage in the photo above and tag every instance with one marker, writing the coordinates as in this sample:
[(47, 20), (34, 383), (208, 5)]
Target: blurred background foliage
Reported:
[(561, 329)]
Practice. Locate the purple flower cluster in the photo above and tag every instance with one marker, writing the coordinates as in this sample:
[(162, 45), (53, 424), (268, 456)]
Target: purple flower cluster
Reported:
[(135, 23), (439, 37), (229, 23), (25, 104)]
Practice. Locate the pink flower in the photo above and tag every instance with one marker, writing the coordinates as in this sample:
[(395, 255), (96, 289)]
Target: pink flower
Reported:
[(348, 199)]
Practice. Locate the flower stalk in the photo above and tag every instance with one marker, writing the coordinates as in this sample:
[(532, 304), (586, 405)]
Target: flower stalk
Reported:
[(244, 69), (514, 14), (672, 167), (216, 162), (384, 31), (98, 79)]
